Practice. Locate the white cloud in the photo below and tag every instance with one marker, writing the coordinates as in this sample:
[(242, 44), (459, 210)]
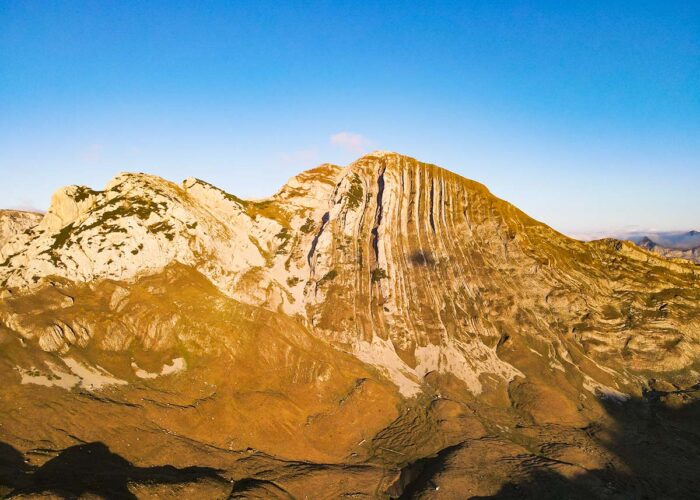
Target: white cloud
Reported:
[(92, 153), (25, 205), (620, 233), (350, 141), (303, 156)]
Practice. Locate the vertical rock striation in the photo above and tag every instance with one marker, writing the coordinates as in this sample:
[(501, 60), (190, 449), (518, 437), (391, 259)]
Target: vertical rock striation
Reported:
[(409, 267)]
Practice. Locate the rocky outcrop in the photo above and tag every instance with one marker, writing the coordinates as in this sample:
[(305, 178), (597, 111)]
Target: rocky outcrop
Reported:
[(140, 223), (15, 222)]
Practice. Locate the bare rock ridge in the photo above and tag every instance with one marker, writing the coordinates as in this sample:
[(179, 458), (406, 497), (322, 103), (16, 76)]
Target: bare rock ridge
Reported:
[(377, 314)]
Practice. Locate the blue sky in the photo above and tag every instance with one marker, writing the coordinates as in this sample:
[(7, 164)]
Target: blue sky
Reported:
[(584, 114)]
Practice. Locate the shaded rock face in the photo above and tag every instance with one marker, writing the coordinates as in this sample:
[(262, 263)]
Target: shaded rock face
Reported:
[(368, 326)]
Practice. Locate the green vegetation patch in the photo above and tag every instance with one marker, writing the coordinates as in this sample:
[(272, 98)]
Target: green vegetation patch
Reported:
[(308, 226), (62, 236), (138, 207), (82, 193), (162, 227), (355, 193), (266, 208), (228, 196), (284, 235), (329, 276), (378, 274)]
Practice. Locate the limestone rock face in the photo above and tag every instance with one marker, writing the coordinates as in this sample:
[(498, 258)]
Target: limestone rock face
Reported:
[(366, 317), (67, 205), (14, 222), (408, 266), (140, 223)]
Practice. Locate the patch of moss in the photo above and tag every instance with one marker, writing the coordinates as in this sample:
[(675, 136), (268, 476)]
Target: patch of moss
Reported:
[(355, 193), (266, 208), (378, 274), (162, 227), (266, 255), (126, 207), (9, 259), (159, 227), (308, 226), (329, 276), (112, 228), (228, 196), (83, 193), (285, 236), (62, 237)]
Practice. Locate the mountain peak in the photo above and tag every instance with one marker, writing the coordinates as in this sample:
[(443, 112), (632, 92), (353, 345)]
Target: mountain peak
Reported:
[(379, 153), (365, 231), (387, 311), (130, 180), (647, 242)]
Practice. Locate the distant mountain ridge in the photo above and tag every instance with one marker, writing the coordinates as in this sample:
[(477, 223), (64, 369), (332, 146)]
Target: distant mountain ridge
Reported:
[(674, 246), (674, 240)]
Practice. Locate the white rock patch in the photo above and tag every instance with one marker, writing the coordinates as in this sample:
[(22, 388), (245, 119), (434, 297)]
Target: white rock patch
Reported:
[(86, 377), (381, 354), (603, 391), (57, 378), (178, 365), (92, 378)]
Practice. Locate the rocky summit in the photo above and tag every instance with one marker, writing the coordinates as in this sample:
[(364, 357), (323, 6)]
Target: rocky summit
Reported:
[(387, 329)]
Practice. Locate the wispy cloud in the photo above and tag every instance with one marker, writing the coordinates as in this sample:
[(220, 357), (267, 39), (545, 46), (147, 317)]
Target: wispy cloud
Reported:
[(25, 205), (620, 233), (92, 153), (301, 156), (351, 141)]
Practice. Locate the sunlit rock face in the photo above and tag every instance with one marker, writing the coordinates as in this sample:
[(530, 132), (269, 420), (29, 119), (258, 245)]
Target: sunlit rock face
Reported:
[(363, 317), (13, 223)]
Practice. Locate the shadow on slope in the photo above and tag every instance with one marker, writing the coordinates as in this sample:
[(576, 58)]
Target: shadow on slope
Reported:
[(258, 488), (656, 440), (88, 469)]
